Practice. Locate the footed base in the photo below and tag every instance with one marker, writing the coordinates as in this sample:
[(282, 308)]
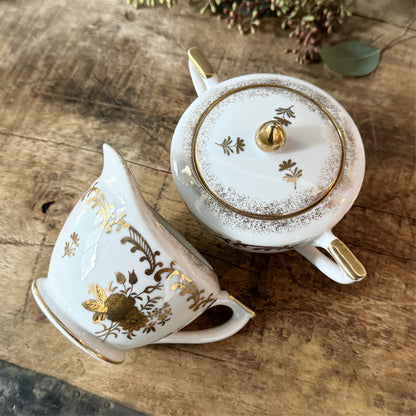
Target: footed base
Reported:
[(70, 329)]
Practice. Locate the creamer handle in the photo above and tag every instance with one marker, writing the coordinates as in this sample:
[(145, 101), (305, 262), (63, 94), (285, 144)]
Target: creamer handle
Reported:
[(345, 268), (241, 315), (202, 72)]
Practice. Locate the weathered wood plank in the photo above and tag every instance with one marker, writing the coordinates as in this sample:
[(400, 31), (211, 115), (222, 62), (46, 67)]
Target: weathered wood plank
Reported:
[(390, 11)]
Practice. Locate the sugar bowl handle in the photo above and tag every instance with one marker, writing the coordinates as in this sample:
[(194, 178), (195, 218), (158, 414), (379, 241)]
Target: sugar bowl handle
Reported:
[(241, 315), (345, 268), (202, 72)]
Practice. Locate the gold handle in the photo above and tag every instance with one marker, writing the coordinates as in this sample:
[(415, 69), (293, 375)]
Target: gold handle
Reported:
[(346, 260), (201, 63), (270, 136)]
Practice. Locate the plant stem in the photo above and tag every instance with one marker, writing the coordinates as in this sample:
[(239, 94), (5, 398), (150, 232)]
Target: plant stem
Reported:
[(399, 38)]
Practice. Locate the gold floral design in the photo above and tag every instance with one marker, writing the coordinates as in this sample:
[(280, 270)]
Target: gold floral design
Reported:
[(139, 243), (158, 316), (97, 198), (227, 145), (69, 249), (293, 175), (282, 113), (189, 287), (127, 310)]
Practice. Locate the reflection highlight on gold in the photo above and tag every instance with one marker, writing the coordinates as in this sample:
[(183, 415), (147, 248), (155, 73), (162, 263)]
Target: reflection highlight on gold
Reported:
[(252, 313), (346, 260), (201, 63), (270, 136)]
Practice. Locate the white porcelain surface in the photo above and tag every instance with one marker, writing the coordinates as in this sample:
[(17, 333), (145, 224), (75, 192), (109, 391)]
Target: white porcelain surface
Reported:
[(249, 180), (118, 279), (267, 202)]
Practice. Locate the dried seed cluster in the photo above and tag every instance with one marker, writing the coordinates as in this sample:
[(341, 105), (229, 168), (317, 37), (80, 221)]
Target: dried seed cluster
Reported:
[(309, 21)]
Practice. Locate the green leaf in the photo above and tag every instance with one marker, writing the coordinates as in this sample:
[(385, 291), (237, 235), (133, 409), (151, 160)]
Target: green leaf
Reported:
[(353, 58), (344, 12), (308, 18)]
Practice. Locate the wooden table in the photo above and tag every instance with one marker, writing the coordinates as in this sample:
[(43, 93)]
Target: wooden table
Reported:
[(76, 74)]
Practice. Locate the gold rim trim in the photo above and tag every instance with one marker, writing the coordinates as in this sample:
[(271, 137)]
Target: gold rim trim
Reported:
[(266, 216), (247, 309), (73, 337)]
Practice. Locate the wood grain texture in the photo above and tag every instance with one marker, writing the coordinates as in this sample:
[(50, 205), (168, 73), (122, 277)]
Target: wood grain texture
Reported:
[(74, 75)]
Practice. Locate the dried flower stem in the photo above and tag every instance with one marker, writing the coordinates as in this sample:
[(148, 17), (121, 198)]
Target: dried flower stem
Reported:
[(309, 21), (400, 38)]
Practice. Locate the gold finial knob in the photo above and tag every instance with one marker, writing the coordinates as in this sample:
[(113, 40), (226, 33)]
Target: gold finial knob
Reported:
[(270, 136)]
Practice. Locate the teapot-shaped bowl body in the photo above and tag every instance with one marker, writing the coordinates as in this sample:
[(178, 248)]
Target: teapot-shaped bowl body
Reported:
[(118, 279), (262, 201), (230, 193)]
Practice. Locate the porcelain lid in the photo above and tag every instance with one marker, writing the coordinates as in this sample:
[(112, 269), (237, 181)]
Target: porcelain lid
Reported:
[(271, 185)]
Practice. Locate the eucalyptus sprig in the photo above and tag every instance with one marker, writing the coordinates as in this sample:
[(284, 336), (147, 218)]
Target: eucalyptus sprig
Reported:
[(356, 59)]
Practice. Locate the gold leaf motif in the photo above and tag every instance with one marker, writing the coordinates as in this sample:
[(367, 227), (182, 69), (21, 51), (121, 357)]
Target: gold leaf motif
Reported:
[(90, 288), (94, 306), (69, 249), (120, 278), (105, 209), (132, 278), (190, 288), (293, 175), (282, 113), (187, 286), (120, 224), (139, 243), (99, 293), (227, 145), (109, 289), (290, 179), (286, 165), (98, 317), (75, 238)]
